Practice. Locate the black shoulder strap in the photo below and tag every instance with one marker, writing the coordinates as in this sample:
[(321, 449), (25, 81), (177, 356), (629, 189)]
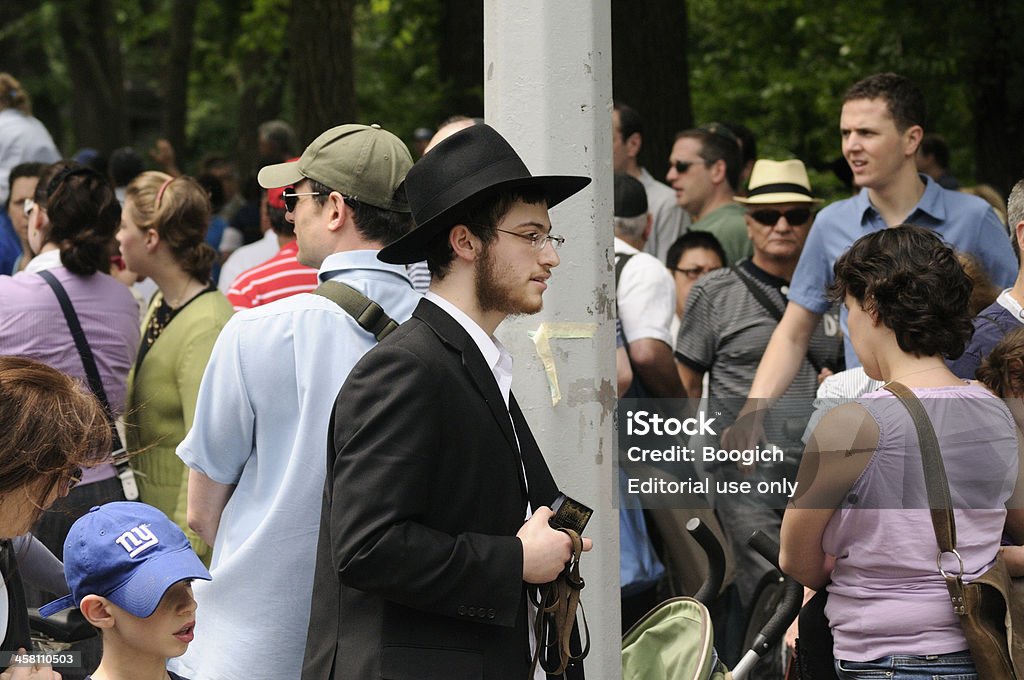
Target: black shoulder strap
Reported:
[(770, 306), (759, 295), (84, 351), (1005, 324), (620, 264), (365, 311)]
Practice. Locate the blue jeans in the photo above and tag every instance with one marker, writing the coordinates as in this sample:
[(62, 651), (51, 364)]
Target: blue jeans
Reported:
[(953, 666)]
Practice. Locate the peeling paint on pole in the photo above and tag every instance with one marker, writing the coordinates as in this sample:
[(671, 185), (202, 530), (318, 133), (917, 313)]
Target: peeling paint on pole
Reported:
[(548, 90)]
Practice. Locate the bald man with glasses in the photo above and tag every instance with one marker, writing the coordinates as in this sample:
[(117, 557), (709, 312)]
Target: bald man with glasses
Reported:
[(730, 316)]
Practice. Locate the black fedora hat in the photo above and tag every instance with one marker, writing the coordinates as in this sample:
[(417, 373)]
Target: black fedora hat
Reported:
[(463, 167)]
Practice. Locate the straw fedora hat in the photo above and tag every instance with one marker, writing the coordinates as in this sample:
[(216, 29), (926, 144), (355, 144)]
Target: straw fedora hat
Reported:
[(460, 168), (778, 182)]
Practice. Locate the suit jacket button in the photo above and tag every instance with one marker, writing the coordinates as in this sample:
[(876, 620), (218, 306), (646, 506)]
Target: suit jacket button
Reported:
[(490, 613), (462, 610), (472, 611)]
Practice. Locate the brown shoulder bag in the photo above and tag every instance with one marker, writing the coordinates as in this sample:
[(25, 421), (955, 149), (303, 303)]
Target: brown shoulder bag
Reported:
[(991, 607)]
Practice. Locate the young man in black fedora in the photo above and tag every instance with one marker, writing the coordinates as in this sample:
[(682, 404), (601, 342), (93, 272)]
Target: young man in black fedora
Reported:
[(435, 514)]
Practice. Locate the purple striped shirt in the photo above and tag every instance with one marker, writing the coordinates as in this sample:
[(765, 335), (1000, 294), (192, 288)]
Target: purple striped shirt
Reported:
[(32, 325)]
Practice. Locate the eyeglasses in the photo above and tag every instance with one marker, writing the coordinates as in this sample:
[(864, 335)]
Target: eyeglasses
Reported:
[(69, 480), (796, 217), (694, 273), (29, 206), (291, 198), (536, 239)]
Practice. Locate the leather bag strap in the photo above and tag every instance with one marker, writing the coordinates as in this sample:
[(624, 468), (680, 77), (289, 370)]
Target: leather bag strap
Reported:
[(367, 313), (556, 615), (935, 480), (85, 352)]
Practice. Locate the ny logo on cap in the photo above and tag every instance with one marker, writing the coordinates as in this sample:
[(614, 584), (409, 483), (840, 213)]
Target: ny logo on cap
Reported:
[(136, 540)]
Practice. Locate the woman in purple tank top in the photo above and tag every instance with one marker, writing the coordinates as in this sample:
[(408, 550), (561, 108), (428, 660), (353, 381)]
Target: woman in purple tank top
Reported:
[(859, 522)]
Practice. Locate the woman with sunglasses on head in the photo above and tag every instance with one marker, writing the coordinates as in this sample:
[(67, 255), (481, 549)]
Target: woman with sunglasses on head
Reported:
[(162, 237), (73, 216), (49, 427), (859, 522)]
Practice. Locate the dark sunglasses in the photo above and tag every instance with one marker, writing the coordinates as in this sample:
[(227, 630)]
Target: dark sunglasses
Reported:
[(682, 166), (291, 198), (795, 216)]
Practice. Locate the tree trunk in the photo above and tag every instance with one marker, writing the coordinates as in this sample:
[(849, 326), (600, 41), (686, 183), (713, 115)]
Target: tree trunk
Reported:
[(323, 84), (175, 77), (461, 57), (650, 72), (996, 86), (88, 32), (260, 100)]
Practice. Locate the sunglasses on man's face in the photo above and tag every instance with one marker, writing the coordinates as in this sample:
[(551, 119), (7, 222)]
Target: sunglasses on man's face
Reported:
[(794, 216), (291, 198), (682, 166)]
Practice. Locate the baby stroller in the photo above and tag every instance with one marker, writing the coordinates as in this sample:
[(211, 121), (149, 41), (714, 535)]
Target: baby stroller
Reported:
[(675, 640)]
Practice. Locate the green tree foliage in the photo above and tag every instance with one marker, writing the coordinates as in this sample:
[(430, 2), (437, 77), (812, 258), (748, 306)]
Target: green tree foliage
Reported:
[(778, 66), (396, 64), (781, 67)]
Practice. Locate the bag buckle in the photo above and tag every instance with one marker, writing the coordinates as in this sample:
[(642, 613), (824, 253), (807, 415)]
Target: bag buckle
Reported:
[(945, 574)]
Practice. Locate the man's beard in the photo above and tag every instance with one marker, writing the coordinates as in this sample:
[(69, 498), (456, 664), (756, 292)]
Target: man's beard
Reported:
[(494, 294)]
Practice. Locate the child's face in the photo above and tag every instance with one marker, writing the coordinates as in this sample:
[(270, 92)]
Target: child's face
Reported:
[(168, 630)]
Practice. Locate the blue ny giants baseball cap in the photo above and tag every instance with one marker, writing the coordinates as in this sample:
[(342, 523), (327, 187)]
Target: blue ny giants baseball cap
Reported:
[(129, 553)]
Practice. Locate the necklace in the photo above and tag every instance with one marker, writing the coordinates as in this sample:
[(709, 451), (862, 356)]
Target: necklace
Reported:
[(183, 296), (922, 370)]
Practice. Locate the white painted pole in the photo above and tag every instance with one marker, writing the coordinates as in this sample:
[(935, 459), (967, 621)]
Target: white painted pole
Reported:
[(548, 89)]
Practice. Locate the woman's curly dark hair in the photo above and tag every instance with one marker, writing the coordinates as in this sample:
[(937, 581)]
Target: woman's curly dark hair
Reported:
[(914, 284), (84, 215)]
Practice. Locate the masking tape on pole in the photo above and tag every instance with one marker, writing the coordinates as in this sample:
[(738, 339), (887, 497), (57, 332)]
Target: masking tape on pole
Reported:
[(542, 338)]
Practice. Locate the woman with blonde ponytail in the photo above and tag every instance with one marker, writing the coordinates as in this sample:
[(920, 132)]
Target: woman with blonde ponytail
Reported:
[(162, 237)]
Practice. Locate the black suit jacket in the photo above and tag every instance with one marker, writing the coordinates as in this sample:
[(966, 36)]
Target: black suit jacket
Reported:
[(419, 572)]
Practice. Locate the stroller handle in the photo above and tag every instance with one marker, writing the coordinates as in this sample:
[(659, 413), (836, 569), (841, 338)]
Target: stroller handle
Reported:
[(712, 547), (789, 604)]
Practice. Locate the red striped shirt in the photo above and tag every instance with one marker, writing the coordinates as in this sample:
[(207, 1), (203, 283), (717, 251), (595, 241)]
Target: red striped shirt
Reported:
[(278, 277)]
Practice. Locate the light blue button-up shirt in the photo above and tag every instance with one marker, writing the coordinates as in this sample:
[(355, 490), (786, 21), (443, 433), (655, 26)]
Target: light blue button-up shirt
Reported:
[(262, 424), (965, 222)]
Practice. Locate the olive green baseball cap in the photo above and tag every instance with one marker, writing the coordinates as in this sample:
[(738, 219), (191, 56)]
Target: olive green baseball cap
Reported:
[(363, 162)]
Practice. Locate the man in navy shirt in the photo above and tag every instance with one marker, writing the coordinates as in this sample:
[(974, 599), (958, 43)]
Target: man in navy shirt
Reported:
[(1004, 315)]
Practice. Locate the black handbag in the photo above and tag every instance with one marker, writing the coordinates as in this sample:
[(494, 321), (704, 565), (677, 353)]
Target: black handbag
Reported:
[(813, 658)]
